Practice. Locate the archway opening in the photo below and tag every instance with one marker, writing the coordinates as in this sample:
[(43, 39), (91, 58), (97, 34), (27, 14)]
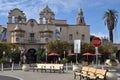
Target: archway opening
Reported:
[(31, 55)]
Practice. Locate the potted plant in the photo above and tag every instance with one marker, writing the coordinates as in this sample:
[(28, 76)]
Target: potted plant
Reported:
[(64, 60), (112, 62)]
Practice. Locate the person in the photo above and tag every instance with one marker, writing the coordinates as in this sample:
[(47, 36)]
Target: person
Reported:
[(24, 59), (10, 61), (59, 60)]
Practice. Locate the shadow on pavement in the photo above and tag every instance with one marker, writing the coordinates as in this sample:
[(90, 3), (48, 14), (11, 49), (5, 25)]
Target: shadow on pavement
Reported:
[(7, 78)]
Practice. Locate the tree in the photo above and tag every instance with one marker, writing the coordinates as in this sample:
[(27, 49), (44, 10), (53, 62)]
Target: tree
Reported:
[(86, 47), (91, 37), (111, 18), (40, 55), (6, 47), (58, 46)]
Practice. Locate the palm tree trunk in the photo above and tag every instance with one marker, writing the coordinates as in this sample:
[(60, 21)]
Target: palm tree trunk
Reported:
[(111, 35)]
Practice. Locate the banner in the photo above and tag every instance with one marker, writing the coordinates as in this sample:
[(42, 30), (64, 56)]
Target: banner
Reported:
[(57, 33), (77, 46)]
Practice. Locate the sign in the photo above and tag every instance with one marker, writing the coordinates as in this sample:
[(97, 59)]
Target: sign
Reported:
[(77, 46), (96, 42)]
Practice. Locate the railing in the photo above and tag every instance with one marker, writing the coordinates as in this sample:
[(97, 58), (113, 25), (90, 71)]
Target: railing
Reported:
[(32, 40)]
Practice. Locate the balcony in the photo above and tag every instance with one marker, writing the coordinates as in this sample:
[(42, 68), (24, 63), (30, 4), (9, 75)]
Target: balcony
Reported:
[(32, 41)]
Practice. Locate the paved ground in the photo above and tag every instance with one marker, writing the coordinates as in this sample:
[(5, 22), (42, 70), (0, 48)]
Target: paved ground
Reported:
[(18, 74), (8, 78), (21, 75), (38, 75)]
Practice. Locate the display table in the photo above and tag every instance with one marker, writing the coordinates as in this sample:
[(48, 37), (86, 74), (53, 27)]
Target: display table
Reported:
[(25, 67), (76, 67)]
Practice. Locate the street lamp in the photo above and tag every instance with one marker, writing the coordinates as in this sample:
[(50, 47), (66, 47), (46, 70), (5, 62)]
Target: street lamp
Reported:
[(64, 54), (12, 49), (22, 57), (3, 53), (46, 56)]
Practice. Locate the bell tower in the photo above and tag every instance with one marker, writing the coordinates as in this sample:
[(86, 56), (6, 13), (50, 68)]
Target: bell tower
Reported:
[(46, 16), (80, 18)]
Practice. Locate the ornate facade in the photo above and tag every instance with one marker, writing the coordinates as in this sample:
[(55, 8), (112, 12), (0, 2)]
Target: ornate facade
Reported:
[(30, 34)]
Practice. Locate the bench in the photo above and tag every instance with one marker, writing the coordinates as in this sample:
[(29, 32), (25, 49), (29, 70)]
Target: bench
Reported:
[(83, 71), (39, 67), (91, 73), (100, 74), (58, 67), (50, 67)]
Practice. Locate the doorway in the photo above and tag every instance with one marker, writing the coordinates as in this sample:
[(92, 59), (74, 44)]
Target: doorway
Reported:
[(31, 55)]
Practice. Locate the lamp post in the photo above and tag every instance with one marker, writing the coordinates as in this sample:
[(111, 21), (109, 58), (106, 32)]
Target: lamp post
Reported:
[(22, 56), (64, 54), (2, 62), (3, 53), (12, 49), (46, 56)]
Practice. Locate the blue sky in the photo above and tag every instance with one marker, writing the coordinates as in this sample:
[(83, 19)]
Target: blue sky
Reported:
[(67, 10)]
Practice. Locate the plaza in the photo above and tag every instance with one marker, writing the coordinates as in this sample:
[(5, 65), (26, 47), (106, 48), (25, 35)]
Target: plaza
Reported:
[(38, 36), (19, 74)]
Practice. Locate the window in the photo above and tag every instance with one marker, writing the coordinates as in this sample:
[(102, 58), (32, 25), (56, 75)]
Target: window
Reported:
[(32, 37), (82, 37), (44, 20), (17, 39), (19, 19), (13, 19), (46, 39), (70, 37)]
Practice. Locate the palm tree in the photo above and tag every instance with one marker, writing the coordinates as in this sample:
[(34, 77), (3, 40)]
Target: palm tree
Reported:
[(111, 18)]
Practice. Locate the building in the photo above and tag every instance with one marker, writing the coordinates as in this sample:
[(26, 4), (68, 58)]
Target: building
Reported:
[(32, 35)]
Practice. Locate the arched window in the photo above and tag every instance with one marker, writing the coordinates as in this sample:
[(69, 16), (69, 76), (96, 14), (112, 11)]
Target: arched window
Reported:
[(44, 20), (19, 19), (13, 19)]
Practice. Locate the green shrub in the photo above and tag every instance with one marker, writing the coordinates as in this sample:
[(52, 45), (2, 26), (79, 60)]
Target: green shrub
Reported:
[(3, 60), (64, 60)]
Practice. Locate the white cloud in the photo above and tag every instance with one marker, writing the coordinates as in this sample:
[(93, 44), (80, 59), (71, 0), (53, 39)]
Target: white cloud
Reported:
[(32, 8), (100, 35)]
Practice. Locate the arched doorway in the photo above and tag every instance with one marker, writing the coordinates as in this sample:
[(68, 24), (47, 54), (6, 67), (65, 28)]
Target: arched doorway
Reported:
[(32, 55)]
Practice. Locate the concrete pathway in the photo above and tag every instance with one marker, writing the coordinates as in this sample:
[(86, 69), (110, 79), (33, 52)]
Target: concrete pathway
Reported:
[(21, 75), (8, 78)]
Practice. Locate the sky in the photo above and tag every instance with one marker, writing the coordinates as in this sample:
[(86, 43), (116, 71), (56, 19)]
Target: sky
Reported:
[(93, 11)]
